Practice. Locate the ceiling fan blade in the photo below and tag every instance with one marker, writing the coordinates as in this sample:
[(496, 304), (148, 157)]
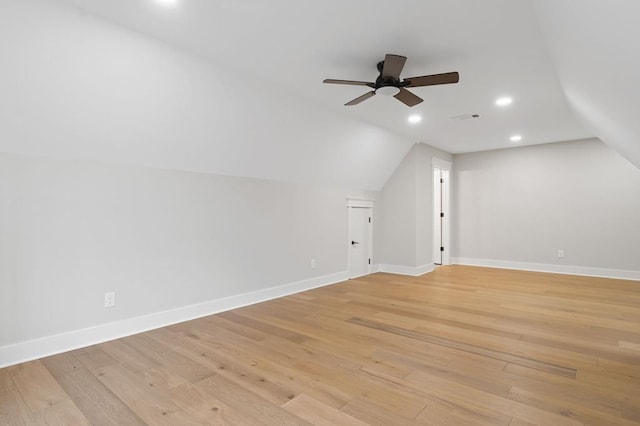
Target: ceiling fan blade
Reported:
[(408, 98), (432, 80), (349, 82), (362, 98), (393, 65)]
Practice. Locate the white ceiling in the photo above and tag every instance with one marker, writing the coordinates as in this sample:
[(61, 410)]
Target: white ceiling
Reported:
[(292, 45)]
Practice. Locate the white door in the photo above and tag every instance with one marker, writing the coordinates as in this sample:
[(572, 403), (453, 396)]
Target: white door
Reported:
[(441, 240), (437, 216), (359, 243)]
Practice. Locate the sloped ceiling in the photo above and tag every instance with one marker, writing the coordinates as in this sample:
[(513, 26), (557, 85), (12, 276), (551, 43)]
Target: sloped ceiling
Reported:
[(496, 45), (234, 86), (595, 48), (77, 87)]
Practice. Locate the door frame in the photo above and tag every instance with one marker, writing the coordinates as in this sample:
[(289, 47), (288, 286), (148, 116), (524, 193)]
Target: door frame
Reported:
[(359, 203), (446, 166)]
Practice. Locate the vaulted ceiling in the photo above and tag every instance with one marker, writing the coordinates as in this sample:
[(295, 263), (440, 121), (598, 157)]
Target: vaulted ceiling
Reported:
[(235, 86), (495, 45), (595, 48)]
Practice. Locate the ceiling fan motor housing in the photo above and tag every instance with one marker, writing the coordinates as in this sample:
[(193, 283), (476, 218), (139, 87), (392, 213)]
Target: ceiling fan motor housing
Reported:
[(389, 81)]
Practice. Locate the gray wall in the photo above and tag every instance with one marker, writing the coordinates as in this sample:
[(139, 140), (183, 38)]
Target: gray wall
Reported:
[(72, 230), (80, 88), (396, 216), (406, 210), (524, 204)]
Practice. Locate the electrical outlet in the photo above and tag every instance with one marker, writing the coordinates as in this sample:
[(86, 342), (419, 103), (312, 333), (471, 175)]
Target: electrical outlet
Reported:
[(560, 253), (110, 299), (313, 264)]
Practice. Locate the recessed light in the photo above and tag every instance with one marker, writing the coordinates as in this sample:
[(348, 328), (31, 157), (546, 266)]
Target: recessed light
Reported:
[(504, 101), (415, 118), (167, 2), (515, 138)]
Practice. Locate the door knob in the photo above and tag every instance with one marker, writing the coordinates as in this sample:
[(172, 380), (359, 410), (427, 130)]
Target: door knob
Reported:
[(353, 243)]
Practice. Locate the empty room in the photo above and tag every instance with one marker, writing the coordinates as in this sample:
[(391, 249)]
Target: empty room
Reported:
[(248, 212)]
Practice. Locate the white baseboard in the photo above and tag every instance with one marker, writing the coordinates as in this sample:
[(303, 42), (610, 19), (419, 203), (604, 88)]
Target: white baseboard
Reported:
[(406, 270), (543, 267), (51, 345)]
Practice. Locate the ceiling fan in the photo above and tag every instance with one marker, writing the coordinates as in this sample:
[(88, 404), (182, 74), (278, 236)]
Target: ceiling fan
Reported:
[(388, 82)]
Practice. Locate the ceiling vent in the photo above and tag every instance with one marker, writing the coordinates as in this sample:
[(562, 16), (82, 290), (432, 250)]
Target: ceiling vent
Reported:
[(464, 117)]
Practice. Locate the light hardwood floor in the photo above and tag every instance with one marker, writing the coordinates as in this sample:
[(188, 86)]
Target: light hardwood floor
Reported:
[(459, 346)]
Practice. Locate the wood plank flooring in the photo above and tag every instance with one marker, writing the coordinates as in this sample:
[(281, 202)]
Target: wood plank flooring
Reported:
[(459, 346)]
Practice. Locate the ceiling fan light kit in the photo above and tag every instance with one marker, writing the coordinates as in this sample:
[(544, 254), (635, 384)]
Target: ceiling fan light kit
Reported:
[(388, 82), (387, 91)]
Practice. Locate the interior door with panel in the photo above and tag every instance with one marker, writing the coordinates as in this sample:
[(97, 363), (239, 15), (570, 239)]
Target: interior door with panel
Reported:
[(359, 243)]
